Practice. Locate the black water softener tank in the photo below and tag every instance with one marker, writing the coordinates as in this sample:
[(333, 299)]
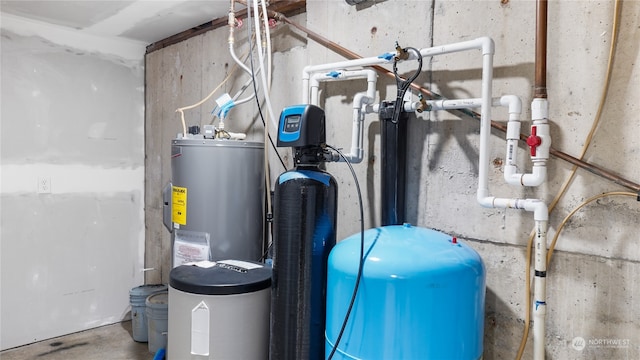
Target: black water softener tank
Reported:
[(304, 232)]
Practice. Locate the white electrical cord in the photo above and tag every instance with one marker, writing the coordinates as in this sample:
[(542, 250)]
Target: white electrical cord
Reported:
[(181, 110)]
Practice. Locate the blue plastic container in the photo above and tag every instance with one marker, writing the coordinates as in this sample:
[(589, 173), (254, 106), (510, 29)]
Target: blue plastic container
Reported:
[(421, 296), (137, 297)]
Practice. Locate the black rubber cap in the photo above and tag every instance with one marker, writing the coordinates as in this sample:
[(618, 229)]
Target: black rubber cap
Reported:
[(221, 279)]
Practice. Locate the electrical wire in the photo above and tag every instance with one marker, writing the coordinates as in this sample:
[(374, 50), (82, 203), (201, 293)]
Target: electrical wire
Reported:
[(181, 110), (255, 89), (267, 171), (362, 257), (567, 182)]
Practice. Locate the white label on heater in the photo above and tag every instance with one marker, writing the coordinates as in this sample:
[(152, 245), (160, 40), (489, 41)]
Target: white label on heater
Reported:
[(190, 246), (200, 330)]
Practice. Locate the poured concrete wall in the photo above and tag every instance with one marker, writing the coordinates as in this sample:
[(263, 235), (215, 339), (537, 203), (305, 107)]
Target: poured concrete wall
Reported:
[(592, 291), (72, 182)]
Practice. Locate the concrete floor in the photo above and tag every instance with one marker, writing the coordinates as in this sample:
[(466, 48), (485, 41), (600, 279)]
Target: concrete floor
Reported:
[(111, 342)]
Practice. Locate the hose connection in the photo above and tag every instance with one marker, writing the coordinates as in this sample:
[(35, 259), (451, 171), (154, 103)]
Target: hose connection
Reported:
[(422, 104), (401, 54)]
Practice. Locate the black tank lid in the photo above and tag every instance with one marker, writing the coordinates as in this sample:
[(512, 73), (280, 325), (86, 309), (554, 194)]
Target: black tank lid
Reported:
[(226, 277)]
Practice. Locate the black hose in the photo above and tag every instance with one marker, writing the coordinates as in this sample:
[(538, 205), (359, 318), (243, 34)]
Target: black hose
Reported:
[(362, 257), (403, 85)]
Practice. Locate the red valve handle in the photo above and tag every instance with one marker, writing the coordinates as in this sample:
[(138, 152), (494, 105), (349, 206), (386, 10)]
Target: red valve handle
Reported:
[(533, 140)]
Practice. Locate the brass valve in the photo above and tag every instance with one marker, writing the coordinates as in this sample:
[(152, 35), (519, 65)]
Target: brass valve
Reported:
[(401, 54), (422, 106)]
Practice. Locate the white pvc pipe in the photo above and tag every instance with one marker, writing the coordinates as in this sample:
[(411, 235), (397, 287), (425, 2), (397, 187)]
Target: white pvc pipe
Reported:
[(485, 125), (316, 78), (448, 104), (483, 43), (539, 171), (540, 116), (540, 119), (360, 101), (540, 289), (340, 65)]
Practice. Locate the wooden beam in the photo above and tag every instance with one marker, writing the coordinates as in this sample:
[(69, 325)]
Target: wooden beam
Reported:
[(287, 8)]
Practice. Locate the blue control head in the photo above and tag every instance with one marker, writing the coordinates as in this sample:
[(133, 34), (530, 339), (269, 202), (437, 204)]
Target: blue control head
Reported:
[(301, 126)]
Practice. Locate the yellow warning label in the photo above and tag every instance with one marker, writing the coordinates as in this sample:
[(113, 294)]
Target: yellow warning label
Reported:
[(179, 205)]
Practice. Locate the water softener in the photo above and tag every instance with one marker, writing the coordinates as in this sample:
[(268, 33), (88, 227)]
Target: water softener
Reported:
[(304, 232)]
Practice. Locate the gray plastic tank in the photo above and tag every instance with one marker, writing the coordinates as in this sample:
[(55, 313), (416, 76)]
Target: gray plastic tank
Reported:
[(216, 198), (220, 311)]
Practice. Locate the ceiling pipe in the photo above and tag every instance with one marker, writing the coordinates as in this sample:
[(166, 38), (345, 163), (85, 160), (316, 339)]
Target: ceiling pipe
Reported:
[(594, 169)]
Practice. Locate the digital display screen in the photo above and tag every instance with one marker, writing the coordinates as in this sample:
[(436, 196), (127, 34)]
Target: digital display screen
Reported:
[(292, 123)]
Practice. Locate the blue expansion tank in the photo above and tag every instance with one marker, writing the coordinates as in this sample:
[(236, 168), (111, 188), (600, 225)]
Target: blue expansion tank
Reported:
[(421, 296)]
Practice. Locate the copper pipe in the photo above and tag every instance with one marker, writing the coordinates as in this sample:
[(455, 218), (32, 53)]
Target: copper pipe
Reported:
[(540, 84), (286, 7), (594, 169)]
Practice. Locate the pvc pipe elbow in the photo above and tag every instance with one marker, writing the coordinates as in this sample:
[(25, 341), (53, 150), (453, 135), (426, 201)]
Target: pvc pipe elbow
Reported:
[(306, 73), (513, 103), (354, 157), (511, 176), (539, 209), (488, 46), (486, 202), (536, 178), (361, 99), (483, 198)]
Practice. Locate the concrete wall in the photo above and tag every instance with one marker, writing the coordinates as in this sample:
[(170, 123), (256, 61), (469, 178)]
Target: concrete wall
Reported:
[(591, 284), (71, 180)]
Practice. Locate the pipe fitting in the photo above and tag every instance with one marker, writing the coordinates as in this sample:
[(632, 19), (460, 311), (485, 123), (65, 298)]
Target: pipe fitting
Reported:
[(422, 104), (488, 46), (540, 130), (401, 54), (513, 104)]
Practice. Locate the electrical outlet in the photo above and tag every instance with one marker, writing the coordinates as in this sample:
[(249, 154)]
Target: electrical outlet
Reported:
[(44, 185)]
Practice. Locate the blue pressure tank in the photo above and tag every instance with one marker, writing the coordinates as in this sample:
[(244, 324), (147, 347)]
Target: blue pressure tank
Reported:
[(421, 296)]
